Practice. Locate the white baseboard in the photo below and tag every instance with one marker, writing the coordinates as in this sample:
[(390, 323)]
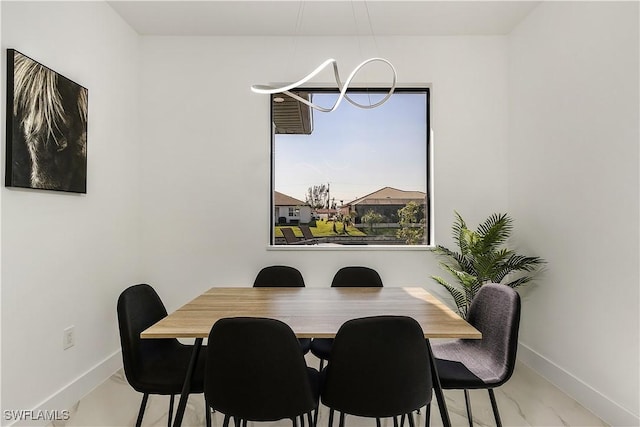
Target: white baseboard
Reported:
[(602, 406), (69, 395)]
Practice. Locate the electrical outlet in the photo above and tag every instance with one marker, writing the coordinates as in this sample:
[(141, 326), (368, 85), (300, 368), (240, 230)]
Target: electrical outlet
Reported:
[(68, 337)]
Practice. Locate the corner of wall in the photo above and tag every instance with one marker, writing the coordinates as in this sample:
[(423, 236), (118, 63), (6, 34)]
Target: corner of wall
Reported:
[(590, 398)]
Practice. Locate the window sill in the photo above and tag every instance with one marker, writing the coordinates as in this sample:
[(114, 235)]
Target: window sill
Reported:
[(365, 248)]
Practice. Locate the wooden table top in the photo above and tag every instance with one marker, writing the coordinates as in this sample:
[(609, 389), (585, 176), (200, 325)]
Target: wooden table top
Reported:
[(312, 312)]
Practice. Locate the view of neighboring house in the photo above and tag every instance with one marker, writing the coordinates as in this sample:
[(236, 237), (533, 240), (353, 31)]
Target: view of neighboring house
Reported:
[(326, 214), (289, 210), (385, 201)]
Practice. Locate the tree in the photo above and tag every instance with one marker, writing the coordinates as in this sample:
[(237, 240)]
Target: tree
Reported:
[(317, 196), (411, 228), (371, 217)]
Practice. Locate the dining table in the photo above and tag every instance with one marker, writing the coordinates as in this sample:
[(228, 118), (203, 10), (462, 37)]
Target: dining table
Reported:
[(311, 312)]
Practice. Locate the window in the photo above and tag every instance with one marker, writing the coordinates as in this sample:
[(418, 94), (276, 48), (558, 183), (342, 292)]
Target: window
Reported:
[(353, 176)]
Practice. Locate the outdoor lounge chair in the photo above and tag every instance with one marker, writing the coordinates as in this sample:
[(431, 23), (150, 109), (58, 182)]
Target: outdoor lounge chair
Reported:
[(308, 235), (289, 237)]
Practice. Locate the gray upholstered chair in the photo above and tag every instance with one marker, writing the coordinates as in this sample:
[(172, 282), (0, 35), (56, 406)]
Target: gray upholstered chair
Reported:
[(487, 363)]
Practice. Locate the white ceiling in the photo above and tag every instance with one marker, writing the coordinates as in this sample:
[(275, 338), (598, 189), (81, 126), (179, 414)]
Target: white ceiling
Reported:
[(322, 17)]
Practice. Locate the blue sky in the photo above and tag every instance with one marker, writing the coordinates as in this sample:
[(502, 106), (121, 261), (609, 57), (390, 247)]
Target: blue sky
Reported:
[(357, 151)]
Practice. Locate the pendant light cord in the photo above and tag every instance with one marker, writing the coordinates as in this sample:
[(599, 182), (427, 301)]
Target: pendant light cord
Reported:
[(266, 89)]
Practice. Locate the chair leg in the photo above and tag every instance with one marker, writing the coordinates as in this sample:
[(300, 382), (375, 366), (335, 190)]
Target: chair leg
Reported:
[(494, 406), (330, 417), (321, 365), (427, 415), (341, 424), (143, 405), (315, 416), (395, 421), (378, 422), (225, 422), (468, 403), (207, 413), (411, 422), (170, 414), (311, 422), (437, 389)]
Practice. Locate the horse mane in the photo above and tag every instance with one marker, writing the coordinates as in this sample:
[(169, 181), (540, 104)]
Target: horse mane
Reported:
[(37, 96), (83, 104)]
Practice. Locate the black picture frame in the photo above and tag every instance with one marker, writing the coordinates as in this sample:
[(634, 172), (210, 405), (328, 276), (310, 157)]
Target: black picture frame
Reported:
[(46, 126)]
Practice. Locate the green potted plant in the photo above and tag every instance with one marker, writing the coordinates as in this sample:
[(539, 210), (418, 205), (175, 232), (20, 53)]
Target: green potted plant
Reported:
[(481, 258)]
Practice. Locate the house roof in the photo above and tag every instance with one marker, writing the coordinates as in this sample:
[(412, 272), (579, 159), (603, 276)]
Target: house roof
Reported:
[(326, 211), (291, 116), (280, 199), (389, 196)]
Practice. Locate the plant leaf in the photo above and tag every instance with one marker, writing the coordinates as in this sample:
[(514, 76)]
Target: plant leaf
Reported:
[(465, 279), (464, 263), (458, 228), (495, 230), (519, 281), (458, 296), (517, 263), (488, 264)]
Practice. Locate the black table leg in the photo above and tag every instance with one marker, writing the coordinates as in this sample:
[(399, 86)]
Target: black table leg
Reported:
[(184, 396), (437, 388)]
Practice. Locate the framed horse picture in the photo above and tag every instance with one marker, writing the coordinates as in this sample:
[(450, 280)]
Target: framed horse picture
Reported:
[(46, 128)]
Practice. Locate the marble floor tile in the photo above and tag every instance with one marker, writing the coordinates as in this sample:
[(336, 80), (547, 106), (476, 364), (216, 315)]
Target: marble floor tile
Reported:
[(525, 400)]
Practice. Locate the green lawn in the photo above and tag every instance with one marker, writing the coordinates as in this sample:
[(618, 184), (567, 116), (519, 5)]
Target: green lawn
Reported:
[(322, 229)]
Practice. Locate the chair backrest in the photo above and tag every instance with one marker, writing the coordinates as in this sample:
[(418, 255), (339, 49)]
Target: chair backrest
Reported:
[(279, 276), (256, 371), (356, 277), (306, 232), (288, 235), (379, 368), (139, 307), (495, 311)]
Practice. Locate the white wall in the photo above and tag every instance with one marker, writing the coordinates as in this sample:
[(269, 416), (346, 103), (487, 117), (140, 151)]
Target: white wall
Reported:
[(552, 110), (573, 187), (66, 257), (206, 145)]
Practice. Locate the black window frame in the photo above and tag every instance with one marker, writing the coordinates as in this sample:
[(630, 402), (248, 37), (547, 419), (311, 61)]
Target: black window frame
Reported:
[(429, 208)]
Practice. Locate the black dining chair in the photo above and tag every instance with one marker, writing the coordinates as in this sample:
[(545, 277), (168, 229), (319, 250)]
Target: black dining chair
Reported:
[(279, 276), (394, 383), (487, 363), (255, 372), (275, 276), (354, 277), (153, 366)]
